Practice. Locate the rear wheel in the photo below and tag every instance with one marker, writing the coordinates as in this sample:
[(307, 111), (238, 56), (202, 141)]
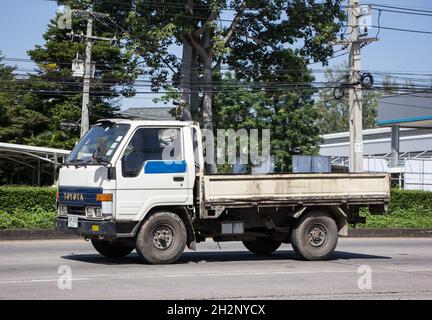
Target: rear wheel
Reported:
[(162, 238), (315, 236), (262, 246), (112, 249)]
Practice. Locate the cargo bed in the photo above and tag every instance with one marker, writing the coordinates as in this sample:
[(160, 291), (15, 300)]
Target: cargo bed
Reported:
[(295, 189)]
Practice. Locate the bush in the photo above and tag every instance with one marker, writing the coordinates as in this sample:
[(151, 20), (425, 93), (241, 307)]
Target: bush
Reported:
[(27, 219), (407, 209), (34, 208), (410, 199), (27, 207), (27, 198), (409, 218)]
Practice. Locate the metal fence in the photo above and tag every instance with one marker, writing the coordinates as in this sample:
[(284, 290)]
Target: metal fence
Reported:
[(414, 172)]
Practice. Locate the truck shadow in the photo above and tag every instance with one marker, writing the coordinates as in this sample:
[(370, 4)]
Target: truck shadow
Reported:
[(219, 256)]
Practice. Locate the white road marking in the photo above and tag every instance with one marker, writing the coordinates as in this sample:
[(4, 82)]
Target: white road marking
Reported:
[(194, 275), (219, 274)]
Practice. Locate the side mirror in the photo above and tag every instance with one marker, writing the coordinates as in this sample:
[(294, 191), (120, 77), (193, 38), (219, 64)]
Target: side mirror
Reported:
[(111, 174)]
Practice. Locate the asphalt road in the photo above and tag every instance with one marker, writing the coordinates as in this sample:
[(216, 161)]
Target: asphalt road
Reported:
[(400, 269)]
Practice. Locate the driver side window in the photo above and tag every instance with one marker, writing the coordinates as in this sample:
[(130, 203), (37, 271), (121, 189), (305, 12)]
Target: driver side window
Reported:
[(151, 144)]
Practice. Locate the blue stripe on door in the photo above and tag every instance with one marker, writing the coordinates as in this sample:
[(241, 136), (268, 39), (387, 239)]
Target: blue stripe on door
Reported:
[(157, 166)]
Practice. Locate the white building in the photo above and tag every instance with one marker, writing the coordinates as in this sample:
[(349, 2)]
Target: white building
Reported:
[(402, 147)]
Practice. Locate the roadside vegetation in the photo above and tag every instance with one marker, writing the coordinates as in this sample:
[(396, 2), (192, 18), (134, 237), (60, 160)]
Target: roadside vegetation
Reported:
[(34, 208), (408, 209), (27, 219), (27, 207)]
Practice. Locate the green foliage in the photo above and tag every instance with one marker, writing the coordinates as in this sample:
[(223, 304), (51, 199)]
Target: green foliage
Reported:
[(63, 101), (32, 109), (36, 218), (34, 208), (289, 116), (19, 117), (259, 46), (27, 198), (270, 42), (27, 207), (408, 209), (410, 199), (407, 218), (33, 106)]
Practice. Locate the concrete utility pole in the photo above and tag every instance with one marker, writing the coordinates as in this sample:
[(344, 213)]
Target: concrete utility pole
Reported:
[(89, 38), (355, 91), (85, 121), (355, 43)]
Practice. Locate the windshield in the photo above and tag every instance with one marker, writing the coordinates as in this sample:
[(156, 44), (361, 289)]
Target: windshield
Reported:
[(102, 140)]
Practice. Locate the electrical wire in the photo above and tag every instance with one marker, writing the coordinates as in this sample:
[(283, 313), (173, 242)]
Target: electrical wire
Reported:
[(403, 12), (412, 9)]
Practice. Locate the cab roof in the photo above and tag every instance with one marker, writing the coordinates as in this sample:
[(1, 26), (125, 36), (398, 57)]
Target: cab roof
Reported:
[(148, 122)]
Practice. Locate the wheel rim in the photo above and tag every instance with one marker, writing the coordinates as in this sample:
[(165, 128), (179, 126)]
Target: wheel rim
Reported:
[(162, 237), (317, 235)]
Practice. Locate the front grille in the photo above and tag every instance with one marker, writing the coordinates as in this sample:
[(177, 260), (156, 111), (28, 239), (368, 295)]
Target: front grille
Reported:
[(78, 211)]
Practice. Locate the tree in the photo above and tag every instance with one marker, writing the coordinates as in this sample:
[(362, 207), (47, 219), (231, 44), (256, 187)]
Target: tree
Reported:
[(57, 94), (19, 118), (258, 43), (33, 106), (290, 119), (19, 113)]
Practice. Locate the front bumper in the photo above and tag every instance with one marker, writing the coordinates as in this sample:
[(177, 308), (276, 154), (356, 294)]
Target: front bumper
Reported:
[(89, 229)]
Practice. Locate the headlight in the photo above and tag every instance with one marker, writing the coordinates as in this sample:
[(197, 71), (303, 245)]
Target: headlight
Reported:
[(98, 213), (93, 212), (62, 210)]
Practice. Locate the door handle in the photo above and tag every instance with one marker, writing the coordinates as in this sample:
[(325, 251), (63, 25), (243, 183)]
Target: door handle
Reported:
[(178, 179)]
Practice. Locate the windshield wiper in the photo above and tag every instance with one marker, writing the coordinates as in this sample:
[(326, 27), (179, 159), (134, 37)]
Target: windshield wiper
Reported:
[(101, 160), (77, 163)]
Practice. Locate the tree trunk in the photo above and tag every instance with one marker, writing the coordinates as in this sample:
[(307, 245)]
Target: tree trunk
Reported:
[(194, 96), (208, 106), (185, 84)]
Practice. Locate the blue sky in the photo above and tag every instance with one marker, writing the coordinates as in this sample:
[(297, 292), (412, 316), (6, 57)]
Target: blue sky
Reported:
[(22, 23)]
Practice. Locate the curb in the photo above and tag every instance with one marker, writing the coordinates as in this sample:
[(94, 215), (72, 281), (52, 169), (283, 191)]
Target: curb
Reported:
[(6, 235), (390, 233)]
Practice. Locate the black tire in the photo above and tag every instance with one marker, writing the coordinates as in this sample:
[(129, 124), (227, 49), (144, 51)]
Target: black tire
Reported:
[(112, 249), (262, 246), (162, 238), (315, 236)]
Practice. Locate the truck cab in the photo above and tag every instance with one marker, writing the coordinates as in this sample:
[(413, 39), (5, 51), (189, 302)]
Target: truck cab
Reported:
[(120, 171), (135, 184)]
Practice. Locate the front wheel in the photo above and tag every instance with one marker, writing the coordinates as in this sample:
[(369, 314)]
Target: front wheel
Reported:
[(162, 238), (262, 246), (315, 236), (112, 249)]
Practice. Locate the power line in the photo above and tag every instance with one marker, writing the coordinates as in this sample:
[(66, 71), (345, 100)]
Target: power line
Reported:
[(401, 8), (403, 30), (404, 72), (403, 12)]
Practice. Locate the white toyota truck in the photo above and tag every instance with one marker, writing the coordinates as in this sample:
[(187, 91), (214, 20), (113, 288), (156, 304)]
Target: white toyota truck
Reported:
[(118, 190)]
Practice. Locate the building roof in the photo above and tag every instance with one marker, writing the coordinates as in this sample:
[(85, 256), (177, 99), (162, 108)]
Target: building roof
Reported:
[(406, 110), (150, 113), (367, 134), (38, 151)]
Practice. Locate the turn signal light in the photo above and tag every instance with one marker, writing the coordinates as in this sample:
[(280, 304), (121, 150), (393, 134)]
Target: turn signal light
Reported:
[(104, 197)]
